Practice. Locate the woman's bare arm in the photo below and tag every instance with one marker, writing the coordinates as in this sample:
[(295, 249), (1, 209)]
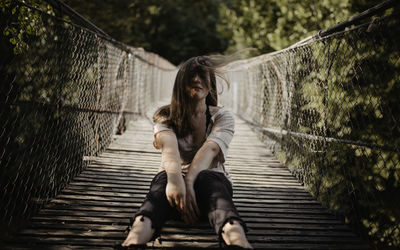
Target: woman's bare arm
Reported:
[(170, 159), (201, 161)]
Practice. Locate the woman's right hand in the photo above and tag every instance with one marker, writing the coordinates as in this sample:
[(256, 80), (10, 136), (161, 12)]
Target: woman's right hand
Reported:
[(176, 191), (170, 159)]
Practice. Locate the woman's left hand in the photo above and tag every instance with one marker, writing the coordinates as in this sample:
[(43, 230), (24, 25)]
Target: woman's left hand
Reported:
[(191, 212)]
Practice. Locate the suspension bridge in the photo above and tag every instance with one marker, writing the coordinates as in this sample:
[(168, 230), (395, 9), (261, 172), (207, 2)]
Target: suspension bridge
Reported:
[(314, 159)]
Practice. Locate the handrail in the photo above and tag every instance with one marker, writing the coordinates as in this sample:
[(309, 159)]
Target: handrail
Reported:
[(363, 15)]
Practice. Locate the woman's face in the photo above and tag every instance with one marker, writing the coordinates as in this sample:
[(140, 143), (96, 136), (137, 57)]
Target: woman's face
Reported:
[(197, 88)]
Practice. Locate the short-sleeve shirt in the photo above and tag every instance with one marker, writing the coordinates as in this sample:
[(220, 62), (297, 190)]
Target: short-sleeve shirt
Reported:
[(220, 130)]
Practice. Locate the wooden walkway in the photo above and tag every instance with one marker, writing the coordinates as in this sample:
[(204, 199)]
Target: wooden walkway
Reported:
[(93, 212)]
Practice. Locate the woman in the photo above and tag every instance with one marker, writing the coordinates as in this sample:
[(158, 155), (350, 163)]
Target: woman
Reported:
[(194, 135)]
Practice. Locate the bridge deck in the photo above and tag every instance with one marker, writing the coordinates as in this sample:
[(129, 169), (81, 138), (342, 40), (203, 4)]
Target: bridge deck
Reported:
[(93, 211)]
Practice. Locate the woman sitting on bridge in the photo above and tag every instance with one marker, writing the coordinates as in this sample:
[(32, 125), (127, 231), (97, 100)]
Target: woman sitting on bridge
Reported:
[(194, 135)]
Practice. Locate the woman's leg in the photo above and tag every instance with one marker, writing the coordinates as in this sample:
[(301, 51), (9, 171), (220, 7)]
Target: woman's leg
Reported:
[(214, 197), (233, 234), (154, 211), (141, 232)]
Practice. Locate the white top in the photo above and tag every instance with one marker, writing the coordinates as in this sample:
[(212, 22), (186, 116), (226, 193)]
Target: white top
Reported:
[(220, 130)]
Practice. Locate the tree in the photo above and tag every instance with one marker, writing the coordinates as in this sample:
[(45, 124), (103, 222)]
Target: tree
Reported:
[(176, 30), (276, 24)]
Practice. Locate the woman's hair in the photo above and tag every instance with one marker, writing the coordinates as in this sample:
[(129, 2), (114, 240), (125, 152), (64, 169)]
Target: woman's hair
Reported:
[(177, 114)]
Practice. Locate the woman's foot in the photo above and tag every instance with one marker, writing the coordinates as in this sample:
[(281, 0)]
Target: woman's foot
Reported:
[(141, 232), (233, 234)]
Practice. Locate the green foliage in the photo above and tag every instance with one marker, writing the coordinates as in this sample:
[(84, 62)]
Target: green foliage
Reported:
[(180, 29), (174, 29), (249, 23), (20, 22), (345, 88), (276, 24)]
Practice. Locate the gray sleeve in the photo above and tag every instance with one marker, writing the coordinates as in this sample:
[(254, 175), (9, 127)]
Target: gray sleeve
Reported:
[(222, 132)]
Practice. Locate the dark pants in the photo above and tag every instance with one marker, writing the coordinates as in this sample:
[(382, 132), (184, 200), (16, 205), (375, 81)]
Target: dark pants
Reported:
[(213, 195)]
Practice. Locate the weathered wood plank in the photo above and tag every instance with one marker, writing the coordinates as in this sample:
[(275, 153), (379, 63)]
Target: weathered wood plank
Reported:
[(237, 196), (130, 193), (259, 218), (183, 234), (238, 192), (174, 229), (239, 205), (275, 212)]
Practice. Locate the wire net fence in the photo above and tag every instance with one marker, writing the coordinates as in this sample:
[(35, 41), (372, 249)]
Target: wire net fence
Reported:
[(65, 92), (329, 109)]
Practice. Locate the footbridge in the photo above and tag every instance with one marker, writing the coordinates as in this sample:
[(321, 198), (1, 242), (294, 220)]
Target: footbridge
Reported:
[(314, 159)]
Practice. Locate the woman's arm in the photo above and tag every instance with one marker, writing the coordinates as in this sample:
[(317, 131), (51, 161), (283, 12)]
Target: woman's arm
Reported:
[(170, 160), (216, 145), (201, 161)]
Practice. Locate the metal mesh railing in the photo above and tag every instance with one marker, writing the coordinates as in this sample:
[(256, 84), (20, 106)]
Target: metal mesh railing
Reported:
[(329, 108), (65, 92)]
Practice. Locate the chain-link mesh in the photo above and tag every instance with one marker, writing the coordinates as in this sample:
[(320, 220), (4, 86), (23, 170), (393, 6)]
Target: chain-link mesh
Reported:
[(329, 108), (63, 96)]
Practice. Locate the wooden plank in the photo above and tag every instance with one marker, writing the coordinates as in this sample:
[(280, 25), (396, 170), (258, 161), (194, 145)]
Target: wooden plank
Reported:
[(238, 192), (123, 212), (124, 172), (130, 177), (142, 193), (239, 205), (48, 225), (258, 202), (247, 216), (184, 234), (110, 217), (132, 193), (275, 212), (273, 224), (255, 184), (237, 187)]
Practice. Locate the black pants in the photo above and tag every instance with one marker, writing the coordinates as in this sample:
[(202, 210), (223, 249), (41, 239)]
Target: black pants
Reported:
[(213, 195)]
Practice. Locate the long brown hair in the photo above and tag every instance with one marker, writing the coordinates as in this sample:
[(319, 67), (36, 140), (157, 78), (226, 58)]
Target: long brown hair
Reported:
[(177, 114)]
